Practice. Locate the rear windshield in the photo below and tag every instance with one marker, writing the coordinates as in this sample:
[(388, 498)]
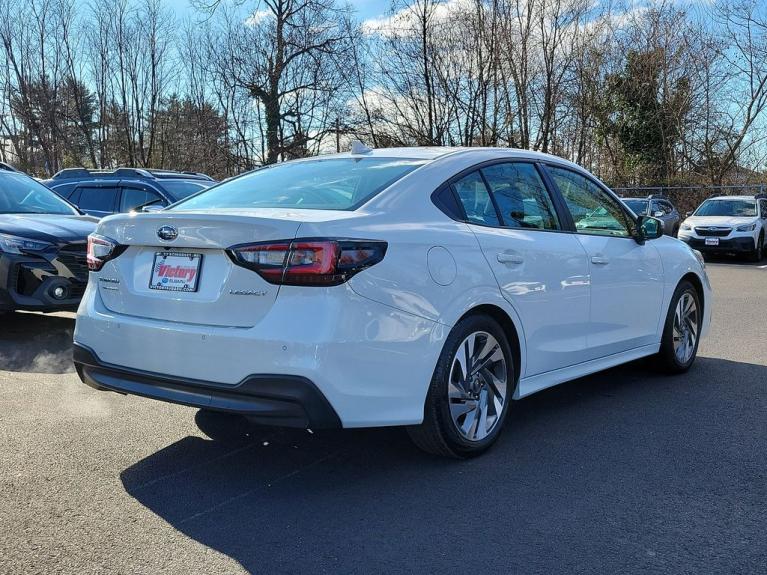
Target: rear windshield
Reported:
[(727, 208), (332, 184), (20, 194), (181, 189)]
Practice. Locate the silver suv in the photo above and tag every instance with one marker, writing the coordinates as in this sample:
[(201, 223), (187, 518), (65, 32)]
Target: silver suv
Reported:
[(728, 224)]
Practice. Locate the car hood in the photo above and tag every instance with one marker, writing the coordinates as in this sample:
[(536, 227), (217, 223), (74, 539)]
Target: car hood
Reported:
[(52, 228), (730, 221)]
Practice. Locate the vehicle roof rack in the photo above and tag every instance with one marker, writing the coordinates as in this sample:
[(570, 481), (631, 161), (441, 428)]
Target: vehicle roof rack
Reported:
[(176, 174), (85, 172)]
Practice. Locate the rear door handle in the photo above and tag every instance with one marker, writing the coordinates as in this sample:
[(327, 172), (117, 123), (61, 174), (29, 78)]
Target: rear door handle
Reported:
[(507, 258), (601, 260)]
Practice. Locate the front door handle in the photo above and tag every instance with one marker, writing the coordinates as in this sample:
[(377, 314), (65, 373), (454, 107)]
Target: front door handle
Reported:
[(507, 258), (600, 260)]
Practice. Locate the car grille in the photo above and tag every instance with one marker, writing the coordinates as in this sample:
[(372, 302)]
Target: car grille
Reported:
[(73, 256), (713, 232)]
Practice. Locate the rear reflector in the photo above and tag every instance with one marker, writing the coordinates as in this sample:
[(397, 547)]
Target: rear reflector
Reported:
[(308, 262)]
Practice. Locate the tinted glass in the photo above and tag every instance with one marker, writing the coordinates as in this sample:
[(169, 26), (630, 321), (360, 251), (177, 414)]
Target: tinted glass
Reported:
[(181, 189), (639, 207), (97, 199), (733, 208), (593, 210), (521, 196), (335, 184), (763, 204), (20, 194), (473, 195), (133, 198)]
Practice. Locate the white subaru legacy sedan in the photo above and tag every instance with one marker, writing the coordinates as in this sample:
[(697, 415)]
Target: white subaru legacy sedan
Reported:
[(422, 287)]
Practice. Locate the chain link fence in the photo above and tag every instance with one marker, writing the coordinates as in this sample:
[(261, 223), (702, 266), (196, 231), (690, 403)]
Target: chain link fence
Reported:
[(687, 198)]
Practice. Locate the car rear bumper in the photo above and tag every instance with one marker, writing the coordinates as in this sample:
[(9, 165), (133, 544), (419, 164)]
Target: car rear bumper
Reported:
[(268, 399), (726, 245), (28, 283), (372, 363)]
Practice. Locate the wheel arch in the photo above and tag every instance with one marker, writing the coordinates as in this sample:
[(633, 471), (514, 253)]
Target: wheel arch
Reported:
[(509, 328), (698, 285)]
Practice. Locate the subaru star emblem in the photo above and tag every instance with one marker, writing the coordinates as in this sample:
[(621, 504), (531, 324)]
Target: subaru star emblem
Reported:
[(167, 233)]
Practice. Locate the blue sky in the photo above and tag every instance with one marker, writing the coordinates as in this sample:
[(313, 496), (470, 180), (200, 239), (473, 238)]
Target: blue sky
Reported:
[(365, 8)]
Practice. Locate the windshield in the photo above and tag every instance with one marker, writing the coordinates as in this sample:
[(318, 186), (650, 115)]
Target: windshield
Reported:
[(20, 194), (639, 207), (332, 184), (181, 189), (735, 208)]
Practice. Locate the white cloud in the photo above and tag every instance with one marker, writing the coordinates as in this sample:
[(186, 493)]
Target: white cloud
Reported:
[(257, 17)]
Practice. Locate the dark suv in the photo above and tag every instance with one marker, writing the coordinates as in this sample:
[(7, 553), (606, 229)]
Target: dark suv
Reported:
[(660, 208), (101, 193), (43, 264)]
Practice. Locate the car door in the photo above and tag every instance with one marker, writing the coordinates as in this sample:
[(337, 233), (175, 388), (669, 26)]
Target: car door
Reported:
[(626, 276), (541, 269)]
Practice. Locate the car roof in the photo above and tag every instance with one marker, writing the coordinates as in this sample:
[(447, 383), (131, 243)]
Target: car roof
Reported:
[(752, 198), (431, 153)]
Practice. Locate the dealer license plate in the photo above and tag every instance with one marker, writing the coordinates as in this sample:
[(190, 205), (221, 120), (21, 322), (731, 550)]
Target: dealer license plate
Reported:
[(175, 271), (712, 241)]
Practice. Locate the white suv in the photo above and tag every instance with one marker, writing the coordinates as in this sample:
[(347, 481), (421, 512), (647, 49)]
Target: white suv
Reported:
[(425, 287), (728, 224)]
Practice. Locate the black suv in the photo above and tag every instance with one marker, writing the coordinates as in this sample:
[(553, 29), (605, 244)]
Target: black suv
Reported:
[(43, 242), (101, 192)]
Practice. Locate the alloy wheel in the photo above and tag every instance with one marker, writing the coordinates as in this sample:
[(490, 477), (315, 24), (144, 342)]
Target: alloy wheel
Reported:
[(478, 386), (685, 327)]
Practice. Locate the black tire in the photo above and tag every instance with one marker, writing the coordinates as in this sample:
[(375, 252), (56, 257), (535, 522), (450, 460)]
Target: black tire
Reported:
[(758, 253), (438, 434), (668, 360)]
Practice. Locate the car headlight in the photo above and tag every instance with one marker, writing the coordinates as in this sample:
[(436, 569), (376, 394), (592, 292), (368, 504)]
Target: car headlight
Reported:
[(686, 227), (17, 245), (746, 227)]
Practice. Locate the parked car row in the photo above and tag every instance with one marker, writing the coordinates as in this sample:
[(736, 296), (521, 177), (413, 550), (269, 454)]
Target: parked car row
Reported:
[(43, 235), (104, 192)]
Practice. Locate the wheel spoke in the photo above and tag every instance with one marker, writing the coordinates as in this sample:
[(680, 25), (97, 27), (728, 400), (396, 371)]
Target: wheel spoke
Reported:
[(482, 430)]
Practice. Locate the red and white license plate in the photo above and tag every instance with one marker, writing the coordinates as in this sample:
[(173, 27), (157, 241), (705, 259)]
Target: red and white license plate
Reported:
[(175, 271), (712, 241)]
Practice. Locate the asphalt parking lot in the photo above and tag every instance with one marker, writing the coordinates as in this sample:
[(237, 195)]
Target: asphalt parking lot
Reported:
[(624, 471)]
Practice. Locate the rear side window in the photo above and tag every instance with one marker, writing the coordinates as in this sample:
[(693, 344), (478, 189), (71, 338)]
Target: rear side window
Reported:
[(333, 184), (521, 196), (476, 201), (97, 199), (134, 197)]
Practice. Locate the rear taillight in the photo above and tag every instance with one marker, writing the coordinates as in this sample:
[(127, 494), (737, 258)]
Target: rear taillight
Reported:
[(308, 262), (101, 250)]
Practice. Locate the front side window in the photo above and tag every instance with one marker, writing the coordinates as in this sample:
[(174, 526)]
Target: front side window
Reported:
[(763, 204), (132, 198), (333, 184), (20, 194), (594, 210), (521, 196), (731, 208), (476, 201), (180, 189)]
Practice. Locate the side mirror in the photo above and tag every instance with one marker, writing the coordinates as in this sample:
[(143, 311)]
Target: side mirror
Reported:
[(688, 214), (649, 228), (152, 208)]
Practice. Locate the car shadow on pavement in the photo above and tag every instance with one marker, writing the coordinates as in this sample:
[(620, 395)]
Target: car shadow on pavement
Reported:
[(36, 343), (626, 470)]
